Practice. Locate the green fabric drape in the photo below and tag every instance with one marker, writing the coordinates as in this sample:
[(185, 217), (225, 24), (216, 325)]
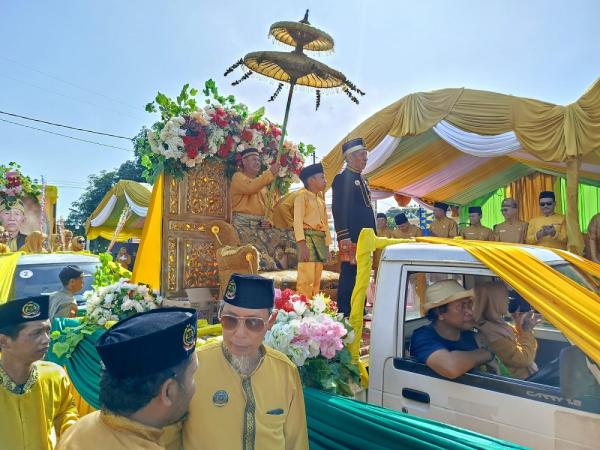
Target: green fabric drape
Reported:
[(83, 366), (588, 199), (341, 423), (490, 209)]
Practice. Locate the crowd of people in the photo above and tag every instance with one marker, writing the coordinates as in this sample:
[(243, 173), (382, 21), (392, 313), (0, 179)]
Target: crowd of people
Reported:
[(157, 390)]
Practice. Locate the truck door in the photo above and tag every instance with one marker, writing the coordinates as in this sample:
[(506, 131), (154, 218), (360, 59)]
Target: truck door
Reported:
[(528, 413)]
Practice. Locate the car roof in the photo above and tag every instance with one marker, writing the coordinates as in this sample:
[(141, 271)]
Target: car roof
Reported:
[(422, 251), (57, 258)]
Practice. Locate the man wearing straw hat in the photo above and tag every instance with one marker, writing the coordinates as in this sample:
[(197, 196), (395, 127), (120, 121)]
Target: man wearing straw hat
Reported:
[(447, 345), (352, 211)]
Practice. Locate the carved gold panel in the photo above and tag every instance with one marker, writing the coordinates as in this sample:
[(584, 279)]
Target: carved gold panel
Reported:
[(207, 191), (200, 269)]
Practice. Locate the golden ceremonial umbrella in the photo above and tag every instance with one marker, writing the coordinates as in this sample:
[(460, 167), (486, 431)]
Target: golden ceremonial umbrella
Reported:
[(295, 67)]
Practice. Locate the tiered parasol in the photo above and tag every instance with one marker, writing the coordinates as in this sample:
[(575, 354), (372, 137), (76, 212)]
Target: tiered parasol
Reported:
[(295, 67)]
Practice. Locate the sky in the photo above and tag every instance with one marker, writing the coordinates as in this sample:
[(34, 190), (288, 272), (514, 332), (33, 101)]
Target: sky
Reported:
[(95, 64)]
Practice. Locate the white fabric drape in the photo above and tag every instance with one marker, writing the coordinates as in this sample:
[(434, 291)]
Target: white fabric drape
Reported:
[(476, 144), (105, 213), (381, 153), (139, 210), (380, 195)]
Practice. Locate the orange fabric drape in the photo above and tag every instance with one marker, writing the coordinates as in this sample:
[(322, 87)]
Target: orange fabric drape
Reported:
[(526, 191)]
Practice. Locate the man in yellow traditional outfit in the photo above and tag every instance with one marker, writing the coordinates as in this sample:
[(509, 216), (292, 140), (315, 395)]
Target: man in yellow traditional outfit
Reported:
[(404, 229), (382, 226), (146, 385), (311, 230), (442, 226), (12, 217), (475, 231), (512, 229), (35, 396), (549, 229), (4, 248), (249, 396)]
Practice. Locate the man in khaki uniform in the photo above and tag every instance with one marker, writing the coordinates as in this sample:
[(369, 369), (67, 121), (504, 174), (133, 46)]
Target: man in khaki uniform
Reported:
[(442, 226), (476, 231), (594, 238), (382, 226), (512, 229), (404, 229)]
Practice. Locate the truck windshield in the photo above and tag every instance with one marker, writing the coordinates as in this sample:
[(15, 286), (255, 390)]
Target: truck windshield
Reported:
[(36, 279), (571, 272)]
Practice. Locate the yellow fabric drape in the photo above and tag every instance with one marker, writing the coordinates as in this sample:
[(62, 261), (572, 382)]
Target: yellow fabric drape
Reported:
[(109, 232), (8, 266), (148, 261), (575, 243), (571, 308), (526, 191)]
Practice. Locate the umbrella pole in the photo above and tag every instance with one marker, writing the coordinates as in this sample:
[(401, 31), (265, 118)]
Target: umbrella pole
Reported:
[(280, 149)]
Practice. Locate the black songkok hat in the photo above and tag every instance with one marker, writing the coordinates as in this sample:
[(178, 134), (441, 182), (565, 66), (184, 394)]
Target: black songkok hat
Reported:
[(69, 273), (353, 145), (148, 342), (441, 205), (474, 209), (309, 171), (28, 309), (400, 219), (250, 291), (249, 151), (381, 216), (547, 194)]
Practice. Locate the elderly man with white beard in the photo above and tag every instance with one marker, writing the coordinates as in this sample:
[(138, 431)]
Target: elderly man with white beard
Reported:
[(248, 396)]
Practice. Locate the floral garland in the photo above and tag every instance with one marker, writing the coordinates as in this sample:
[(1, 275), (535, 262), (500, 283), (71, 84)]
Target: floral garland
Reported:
[(14, 186), (312, 334), (188, 135)]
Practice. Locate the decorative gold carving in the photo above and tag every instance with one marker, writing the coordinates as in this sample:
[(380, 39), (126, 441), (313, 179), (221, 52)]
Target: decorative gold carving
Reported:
[(173, 196), (172, 264), (185, 226), (207, 191), (200, 266)]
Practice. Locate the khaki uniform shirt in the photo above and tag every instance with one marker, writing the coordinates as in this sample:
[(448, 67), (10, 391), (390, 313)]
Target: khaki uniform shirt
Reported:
[(413, 231), (515, 231), (310, 213), (559, 240), (249, 195), (445, 228), (101, 431), (594, 234), (262, 411), (385, 232), (477, 233)]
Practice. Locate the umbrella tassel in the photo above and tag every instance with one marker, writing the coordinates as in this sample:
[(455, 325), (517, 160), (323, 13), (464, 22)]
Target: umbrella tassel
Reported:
[(276, 93), (349, 94), (233, 67), (318, 99), (245, 77), (353, 87)]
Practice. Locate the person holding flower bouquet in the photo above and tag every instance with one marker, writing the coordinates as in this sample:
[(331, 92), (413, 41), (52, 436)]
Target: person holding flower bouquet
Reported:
[(311, 230), (248, 395)]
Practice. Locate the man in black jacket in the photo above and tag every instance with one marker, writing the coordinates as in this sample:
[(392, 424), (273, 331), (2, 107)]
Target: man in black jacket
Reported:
[(352, 211)]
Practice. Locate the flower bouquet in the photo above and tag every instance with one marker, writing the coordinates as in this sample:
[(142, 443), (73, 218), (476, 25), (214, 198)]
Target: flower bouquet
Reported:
[(312, 334), (14, 185), (188, 135)]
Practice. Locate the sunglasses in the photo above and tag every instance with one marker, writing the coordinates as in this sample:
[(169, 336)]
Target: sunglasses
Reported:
[(254, 324), (546, 203)]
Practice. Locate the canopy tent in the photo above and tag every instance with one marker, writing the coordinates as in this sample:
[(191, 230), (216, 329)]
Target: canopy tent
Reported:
[(456, 145), (105, 218)]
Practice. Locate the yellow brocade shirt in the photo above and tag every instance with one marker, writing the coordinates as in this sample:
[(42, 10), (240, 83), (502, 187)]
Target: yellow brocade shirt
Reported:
[(310, 213), (478, 233), (559, 240), (264, 411), (444, 228), (101, 431), (411, 232), (515, 232), (27, 419), (249, 195)]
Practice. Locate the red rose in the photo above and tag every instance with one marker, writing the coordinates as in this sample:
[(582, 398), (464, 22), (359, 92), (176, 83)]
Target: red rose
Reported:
[(192, 152), (282, 160), (247, 135), (223, 151)]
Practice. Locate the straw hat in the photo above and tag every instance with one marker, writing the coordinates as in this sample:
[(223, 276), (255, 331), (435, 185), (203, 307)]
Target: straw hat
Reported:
[(444, 292)]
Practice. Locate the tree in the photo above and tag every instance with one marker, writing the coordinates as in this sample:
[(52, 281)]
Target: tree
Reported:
[(98, 186)]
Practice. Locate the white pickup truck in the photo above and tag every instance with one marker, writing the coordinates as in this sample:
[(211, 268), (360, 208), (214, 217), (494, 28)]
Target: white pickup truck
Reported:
[(540, 416)]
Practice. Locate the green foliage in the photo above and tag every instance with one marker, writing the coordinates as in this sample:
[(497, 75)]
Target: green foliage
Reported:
[(108, 272), (184, 103), (66, 341), (334, 375)]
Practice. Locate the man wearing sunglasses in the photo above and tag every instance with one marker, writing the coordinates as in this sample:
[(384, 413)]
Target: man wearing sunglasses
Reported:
[(512, 229), (549, 229), (248, 395)]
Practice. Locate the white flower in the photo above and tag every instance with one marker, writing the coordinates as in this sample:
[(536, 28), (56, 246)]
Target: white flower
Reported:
[(299, 307), (349, 338), (101, 321), (318, 304)]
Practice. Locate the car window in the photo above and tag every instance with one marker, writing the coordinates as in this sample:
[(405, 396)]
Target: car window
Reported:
[(571, 272), (35, 279)]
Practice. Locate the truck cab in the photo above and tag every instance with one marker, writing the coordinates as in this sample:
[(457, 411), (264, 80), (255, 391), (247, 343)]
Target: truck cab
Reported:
[(534, 413)]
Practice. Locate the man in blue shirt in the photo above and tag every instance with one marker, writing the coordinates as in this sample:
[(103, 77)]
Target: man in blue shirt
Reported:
[(447, 345)]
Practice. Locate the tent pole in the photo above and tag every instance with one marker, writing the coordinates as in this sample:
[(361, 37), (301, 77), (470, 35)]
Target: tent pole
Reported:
[(575, 242)]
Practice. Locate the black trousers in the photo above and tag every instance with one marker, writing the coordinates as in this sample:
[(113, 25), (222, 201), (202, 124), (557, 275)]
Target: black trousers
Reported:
[(345, 287)]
